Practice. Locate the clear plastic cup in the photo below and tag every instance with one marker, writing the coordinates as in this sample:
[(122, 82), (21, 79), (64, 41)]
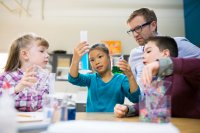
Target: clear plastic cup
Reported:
[(115, 60), (155, 105), (155, 109)]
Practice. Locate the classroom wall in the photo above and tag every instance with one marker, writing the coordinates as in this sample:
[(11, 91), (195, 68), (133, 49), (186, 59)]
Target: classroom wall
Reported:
[(103, 22)]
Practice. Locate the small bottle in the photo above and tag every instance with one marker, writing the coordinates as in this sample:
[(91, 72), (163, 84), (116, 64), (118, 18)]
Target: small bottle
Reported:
[(71, 107), (48, 108), (63, 109), (8, 123)]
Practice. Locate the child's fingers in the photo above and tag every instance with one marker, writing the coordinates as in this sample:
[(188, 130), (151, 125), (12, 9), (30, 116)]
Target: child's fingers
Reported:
[(83, 42), (119, 113), (123, 108), (24, 83), (31, 74), (119, 110), (30, 80), (82, 45), (27, 84), (146, 75), (120, 107), (125, 67), (150, 72), (82, 48)]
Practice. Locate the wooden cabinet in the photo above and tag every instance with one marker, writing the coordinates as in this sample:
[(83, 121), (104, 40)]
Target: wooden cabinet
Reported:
[(81, 107)]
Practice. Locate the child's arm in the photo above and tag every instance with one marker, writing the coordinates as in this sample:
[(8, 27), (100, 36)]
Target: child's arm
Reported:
[(79, 51), (187, 67), (125, 67)]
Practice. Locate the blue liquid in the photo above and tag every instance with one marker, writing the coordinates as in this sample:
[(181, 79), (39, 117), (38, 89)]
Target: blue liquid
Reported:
[(49, 113), (71, 113), (85, 62)]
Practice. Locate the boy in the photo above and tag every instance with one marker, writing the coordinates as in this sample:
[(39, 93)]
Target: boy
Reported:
[(183, 73)]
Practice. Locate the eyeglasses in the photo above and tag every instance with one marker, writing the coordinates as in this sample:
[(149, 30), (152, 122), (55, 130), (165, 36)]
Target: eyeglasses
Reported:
[(138, 29)]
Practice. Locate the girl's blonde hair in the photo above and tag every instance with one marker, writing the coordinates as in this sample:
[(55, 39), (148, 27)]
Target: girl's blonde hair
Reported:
[(13, 62)]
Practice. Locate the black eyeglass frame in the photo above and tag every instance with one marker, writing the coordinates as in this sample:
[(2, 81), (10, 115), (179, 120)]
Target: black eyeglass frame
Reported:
[(139, 27)]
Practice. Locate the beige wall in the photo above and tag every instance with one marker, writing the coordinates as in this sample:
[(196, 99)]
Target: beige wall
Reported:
[(62, 30)]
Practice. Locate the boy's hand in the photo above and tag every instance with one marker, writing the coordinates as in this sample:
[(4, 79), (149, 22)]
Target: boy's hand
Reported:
[(80, 50), (120, 110), (28, 79), (149, 71)]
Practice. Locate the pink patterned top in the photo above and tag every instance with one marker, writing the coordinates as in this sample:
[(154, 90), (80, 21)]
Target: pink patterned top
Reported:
[(29, 99)]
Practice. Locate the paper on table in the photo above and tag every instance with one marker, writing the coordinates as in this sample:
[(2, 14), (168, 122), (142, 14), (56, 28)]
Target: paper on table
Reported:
[(109, 127), (29, 116)]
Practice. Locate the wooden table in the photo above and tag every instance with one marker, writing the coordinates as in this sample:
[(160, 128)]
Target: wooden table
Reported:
[(185, 125)]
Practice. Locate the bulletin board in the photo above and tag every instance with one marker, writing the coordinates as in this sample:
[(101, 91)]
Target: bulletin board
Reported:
[(114, 46)]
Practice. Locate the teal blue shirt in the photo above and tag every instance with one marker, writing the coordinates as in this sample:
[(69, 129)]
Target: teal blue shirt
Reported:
[(102, 97)]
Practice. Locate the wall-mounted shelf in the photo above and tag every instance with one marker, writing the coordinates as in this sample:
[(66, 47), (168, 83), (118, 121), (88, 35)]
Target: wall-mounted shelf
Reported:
[(60, 65)]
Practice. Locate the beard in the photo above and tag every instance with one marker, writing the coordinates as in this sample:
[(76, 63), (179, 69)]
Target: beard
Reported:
[(142, 43)]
